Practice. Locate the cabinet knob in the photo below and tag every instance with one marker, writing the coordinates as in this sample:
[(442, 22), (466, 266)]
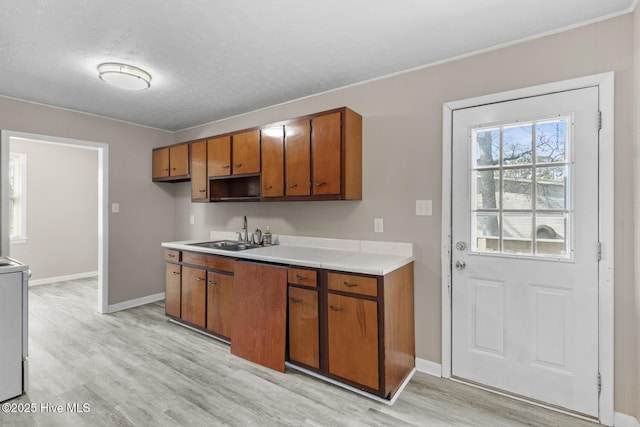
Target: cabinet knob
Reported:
[(299, 277), (171, 255), (268, 187), (237, 165), (175, 273), (199, 279), (295, 299), (320, 184), (202, 191), (292, 185), (350, 285), (226, 166), (336, 308), (212, 283)]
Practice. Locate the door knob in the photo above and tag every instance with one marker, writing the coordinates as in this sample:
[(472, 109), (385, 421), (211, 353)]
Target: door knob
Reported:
[(460, 265)]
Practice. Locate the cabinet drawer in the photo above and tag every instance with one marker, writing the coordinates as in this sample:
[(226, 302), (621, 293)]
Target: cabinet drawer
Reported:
[(208, 261), (299, 276), (171, 255), (354, 284)]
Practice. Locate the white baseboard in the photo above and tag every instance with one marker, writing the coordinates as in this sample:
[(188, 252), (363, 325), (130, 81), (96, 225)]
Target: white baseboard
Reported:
[(136, 302), (429, 367), (624, 420), (57, 279)]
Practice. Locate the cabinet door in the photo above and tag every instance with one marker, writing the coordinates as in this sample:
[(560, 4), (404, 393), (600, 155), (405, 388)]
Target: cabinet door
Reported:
[(179, 160), (219, 303), (326, 154), (353, 339), (199, 179), (303, 327), (173, 290), (259, 323), (194, 295), (246, 152), (273, 162), (160, 163), (219, 156), (297, 149)]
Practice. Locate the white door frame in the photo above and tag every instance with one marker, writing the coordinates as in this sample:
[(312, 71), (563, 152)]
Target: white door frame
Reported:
[(103, 198), (605, 83)]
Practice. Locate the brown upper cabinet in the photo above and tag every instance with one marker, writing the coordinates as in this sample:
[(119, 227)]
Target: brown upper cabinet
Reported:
[(245, 152), (326, 154), (219, 156), (236, 154), (323, 156), (297, 149), (314, 157), (273, 161), (313, 152), (171, 163), (199, 179)]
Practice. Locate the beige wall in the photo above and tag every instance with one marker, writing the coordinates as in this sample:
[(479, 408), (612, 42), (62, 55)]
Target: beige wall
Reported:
[(62, 210), (636, 128), (147, 215), (402, 151)]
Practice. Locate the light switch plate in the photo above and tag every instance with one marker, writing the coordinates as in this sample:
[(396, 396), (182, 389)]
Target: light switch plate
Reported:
[(378, 225), (192, 219), (424, 207), (115, 207)]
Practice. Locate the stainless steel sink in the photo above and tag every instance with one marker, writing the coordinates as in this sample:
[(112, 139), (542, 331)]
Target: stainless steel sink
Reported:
[(227, 245)]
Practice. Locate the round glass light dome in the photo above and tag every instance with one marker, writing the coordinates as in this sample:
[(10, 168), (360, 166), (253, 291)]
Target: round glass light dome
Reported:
[(124, 76)]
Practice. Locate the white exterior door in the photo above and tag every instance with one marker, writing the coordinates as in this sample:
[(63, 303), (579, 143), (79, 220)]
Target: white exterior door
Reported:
[(525, 248)]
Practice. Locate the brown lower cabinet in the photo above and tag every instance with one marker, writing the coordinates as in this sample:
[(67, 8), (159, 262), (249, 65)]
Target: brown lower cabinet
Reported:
[(366, 326), (219, 303), (174, 289), (352, 339), (304, 341), (258, 329), (194, 291), (354, 328), (199, 289)]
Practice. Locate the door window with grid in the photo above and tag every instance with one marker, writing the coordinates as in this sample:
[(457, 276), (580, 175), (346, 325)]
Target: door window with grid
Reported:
[(520, 180)]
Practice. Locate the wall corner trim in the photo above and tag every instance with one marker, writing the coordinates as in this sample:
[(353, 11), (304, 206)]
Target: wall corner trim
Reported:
[(135, 302), (624, 420), (429, 367)]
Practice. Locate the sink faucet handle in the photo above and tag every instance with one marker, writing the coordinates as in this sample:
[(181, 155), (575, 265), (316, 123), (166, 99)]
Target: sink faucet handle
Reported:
[(257, 237)]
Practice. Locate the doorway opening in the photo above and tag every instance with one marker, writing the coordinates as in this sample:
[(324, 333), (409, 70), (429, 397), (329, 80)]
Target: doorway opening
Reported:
[(101, 228)]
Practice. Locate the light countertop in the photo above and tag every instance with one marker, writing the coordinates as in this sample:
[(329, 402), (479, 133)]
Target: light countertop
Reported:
[(354, 256)]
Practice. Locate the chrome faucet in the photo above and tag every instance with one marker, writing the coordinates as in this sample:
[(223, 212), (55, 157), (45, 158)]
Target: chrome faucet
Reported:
[(245, 229)]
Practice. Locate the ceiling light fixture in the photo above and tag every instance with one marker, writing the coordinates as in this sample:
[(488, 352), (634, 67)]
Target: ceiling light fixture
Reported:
[(124, 76)]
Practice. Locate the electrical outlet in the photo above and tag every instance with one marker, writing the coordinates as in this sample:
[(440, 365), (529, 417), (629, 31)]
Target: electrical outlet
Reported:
[(424, 207), (378, 225)]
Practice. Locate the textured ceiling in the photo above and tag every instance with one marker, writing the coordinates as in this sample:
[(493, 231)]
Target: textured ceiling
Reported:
[(212, 59)]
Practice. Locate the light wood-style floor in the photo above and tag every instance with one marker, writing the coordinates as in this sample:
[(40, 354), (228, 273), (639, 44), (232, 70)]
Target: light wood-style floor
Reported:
[(136, 368)]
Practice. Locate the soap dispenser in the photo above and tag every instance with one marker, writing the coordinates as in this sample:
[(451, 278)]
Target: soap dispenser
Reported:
[(267, 237)]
